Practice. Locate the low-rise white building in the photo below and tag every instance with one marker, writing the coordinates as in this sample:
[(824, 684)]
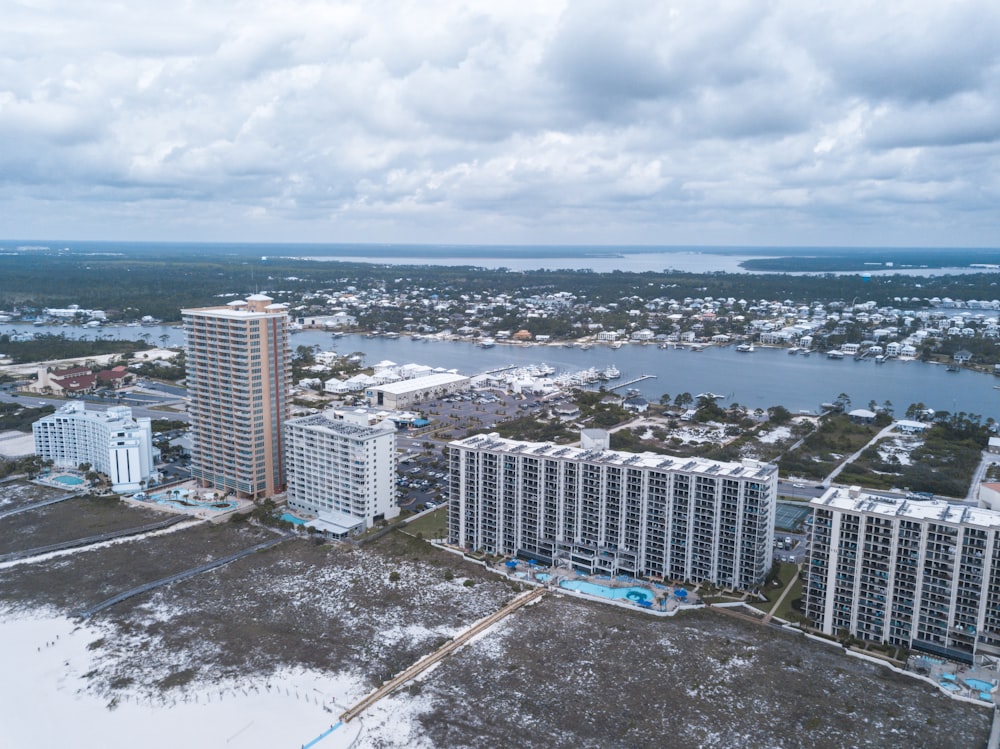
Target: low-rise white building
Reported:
[(405, 393), (341, 468), (113, 442)]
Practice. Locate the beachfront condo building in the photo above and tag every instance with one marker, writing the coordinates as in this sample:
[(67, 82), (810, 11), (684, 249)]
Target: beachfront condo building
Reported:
[(111, 441), (607, 512), (921, 574), (341, 469), (238, 380)]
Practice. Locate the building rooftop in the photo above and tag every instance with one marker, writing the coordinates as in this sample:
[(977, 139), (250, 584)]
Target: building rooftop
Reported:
[(744, 470), (325, 422), (937, 510), (420, 383), (257, 305)]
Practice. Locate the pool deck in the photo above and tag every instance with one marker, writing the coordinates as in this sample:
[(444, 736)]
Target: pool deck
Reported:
[(203, 513), (951, 677), (664, 602)]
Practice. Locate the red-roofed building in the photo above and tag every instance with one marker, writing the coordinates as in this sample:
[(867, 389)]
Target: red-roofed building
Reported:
[(63, 373), (73, 384), (115, 377), (78, 380)]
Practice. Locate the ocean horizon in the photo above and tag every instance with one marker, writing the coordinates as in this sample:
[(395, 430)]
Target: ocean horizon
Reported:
[(601, 258)]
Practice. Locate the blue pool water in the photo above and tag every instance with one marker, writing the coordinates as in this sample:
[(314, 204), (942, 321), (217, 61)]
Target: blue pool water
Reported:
[(950, 687), (68, 480), (287, 516), (634, 594), (979, 685), (543, 576), (184, 500)]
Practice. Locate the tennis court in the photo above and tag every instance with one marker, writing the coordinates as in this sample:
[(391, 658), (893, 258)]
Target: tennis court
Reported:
[(790, 516)]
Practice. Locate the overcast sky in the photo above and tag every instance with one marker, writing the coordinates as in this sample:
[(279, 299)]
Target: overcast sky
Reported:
[(492, 122)]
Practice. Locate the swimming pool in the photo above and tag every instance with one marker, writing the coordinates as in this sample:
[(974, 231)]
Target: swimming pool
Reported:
[(979, 685), (543, 576), (635, 594), (183, 499), (949, 686), (290, 518), (68, 480)]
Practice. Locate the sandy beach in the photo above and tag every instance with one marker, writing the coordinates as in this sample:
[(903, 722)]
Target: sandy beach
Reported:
[(44, 701)]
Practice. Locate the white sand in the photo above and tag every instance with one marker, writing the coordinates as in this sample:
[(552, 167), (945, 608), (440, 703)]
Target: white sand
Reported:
[(16, 444), (44, 702)]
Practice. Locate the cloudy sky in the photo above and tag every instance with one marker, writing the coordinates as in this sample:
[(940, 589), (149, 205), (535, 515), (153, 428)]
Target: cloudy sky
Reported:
[(692, 122)]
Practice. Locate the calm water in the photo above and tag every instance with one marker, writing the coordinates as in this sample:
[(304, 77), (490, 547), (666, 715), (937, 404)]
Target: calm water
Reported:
[(600, 258), (766, 377)]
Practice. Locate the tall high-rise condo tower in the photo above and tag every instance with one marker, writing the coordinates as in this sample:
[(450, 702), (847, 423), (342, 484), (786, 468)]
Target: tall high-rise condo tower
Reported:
[(238, 378)]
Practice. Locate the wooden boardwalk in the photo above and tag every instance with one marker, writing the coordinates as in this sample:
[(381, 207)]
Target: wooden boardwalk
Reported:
[(445, 650), (634, 380)]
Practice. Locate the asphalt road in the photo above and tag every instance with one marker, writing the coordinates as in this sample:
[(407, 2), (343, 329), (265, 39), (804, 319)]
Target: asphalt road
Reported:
[(34, 400)]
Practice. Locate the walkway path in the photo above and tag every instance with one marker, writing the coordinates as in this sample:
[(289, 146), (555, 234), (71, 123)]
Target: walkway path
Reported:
[(986, 459), (836, 471), (777, 604), (38, 550), (37, 505), (180, 576), (448, 648)]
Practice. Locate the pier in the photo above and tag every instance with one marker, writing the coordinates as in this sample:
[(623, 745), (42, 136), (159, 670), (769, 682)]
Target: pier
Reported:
[(125, 595), (426, 662), (634, 380), (91, 540)]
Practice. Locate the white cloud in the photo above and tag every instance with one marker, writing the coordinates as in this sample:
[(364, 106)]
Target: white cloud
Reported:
[(733, 122)]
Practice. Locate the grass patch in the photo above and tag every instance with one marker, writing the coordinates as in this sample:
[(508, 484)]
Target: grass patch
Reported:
[(785, 610), (432, 525), (787, 571)]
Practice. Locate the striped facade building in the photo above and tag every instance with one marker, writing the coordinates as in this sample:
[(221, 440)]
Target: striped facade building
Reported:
[(609, 512), (238, 380), (921, 574)]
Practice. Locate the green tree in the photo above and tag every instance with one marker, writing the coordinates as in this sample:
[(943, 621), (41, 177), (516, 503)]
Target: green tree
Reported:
[(779, 415)]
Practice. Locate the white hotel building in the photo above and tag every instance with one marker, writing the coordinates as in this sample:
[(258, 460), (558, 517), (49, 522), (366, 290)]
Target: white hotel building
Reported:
[(112, 442), (341, 469), (609, 512), (921, 574)]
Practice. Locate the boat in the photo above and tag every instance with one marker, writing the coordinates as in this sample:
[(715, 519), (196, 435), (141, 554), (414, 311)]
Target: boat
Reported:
[(487, 343), (745, 348), (953, 368), (834, 354), (793, 350), (612, 372), (616, 345), (587, 346)]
